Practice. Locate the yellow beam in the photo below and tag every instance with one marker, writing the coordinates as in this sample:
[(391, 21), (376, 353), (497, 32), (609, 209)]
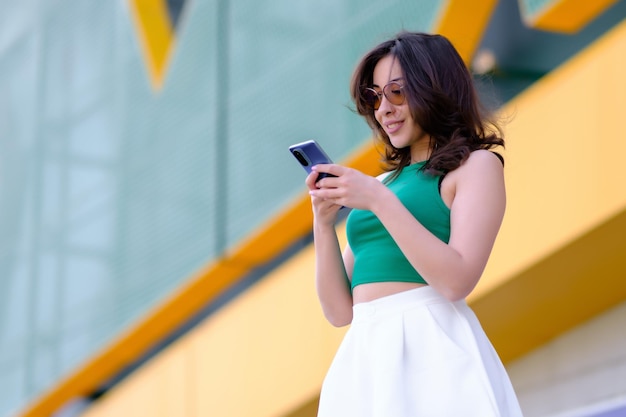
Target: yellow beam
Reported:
[(156, 35), (566, 16), (297, 220), (464, 23)]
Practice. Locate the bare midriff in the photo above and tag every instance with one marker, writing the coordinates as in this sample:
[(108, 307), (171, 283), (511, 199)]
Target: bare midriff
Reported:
[(371, 291)]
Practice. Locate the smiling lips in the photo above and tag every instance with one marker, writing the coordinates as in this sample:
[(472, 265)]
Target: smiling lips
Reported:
[(393, 127)]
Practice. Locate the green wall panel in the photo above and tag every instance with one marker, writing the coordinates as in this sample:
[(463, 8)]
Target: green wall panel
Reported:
[(112, 194)]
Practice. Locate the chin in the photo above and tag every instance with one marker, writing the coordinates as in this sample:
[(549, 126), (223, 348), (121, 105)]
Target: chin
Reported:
[(399, 144)]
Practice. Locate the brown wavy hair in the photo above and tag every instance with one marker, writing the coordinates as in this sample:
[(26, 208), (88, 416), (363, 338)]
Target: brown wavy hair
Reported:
[(442, 99)]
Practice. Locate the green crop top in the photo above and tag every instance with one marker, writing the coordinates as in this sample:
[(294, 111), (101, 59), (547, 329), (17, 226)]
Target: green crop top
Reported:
[(377, 258)]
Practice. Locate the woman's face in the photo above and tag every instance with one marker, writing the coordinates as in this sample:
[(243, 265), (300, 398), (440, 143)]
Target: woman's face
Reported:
[(396, 119)]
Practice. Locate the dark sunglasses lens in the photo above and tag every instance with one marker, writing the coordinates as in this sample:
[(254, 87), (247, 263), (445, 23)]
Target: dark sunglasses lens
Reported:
[(394, 93), (371, 98)]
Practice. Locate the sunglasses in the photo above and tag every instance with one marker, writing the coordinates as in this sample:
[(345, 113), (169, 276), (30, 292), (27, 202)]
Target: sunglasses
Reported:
[(394, 93)]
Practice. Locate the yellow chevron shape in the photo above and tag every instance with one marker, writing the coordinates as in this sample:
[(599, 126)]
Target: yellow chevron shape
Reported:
[(454, 23), (156, 35), (565, 16)]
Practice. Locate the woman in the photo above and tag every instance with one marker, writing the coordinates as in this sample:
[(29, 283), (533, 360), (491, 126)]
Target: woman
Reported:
[(418, 240)]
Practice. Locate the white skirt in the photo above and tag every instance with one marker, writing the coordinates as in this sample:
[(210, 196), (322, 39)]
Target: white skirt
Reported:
[(416, 354)]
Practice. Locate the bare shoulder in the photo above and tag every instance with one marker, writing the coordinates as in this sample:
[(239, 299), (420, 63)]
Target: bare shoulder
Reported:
[(482, 167), (481, 162), (484, 157)]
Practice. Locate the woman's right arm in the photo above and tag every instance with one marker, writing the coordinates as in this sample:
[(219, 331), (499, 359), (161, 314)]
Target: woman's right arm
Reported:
[(332, 270), (331, 277)]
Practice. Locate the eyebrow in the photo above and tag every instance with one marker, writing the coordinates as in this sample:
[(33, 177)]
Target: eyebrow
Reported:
[(390, 81)]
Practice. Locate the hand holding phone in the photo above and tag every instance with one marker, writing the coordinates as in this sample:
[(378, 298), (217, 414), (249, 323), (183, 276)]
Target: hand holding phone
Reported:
[(309, 154)]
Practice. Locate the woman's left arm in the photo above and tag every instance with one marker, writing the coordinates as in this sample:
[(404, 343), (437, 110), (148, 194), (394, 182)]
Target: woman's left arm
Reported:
[(476, 212)]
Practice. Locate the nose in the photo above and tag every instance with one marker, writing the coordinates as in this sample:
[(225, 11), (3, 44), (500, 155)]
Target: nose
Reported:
[(385, 106)]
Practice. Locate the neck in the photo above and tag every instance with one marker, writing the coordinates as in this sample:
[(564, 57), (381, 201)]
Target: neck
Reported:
[(421, 151)]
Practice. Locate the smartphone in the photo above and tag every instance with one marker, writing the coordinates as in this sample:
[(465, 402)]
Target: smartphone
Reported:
[(310, 153)]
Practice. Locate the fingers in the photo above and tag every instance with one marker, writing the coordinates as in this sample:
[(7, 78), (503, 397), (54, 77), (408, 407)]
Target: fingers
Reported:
[(330, 171), (327, 194), (313, 179), (310, 181), (333, 169), (324, 210)]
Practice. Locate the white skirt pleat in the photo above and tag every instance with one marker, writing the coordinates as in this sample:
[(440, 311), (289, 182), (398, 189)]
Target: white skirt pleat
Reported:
[(416, 354)]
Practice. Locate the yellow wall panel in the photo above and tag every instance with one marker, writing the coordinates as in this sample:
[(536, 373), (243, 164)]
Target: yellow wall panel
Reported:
[(271, 346), (565, 156), (160, 389)]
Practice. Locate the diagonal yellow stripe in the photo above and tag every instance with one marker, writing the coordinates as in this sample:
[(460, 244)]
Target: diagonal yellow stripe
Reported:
[(156, 36), (464, 23)]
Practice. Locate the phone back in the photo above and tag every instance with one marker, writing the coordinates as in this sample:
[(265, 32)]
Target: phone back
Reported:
[(309, 153)]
